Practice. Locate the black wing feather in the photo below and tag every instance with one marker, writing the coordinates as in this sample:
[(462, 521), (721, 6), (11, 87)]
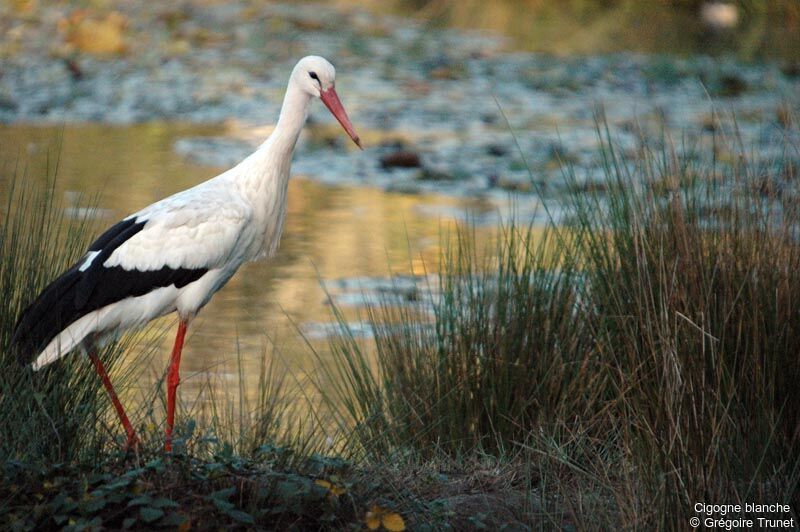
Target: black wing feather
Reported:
[(76, 293), (105, 246)]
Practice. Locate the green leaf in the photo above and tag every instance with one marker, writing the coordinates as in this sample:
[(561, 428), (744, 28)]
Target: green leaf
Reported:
[(156, 464), (173, 519), (216, 470), (95, 505), (57, 501), (69, 505), (97, 478), (133, 473), (267, 448), (116, 497), (288, 489), (226, 452), (242, 517), (149, 514), (164, 502), (223, 494), (190, 426), (128, 522), (140, 501), (122, 482), (223, 506)]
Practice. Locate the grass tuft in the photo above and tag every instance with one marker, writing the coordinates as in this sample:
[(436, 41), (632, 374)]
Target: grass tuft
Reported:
[(58, 413), (640, 357)]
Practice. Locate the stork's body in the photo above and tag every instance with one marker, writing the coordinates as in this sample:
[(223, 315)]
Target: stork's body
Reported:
[(173, 255)]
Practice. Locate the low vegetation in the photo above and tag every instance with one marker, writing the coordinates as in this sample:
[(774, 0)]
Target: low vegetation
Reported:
[(637, 358)]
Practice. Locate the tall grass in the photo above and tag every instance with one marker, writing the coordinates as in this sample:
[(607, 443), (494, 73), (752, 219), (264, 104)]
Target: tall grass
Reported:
[(637, 359), (694, 285), (55, 414), (268, 416)]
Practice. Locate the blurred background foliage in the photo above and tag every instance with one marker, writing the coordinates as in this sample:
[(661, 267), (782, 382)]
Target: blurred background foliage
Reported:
[(751, 29)]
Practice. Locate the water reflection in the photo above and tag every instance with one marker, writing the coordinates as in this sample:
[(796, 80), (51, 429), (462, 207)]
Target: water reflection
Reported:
[(331, 233)]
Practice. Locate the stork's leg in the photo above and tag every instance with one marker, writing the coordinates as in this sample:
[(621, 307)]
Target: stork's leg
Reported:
[(173, 380), (133, 440)]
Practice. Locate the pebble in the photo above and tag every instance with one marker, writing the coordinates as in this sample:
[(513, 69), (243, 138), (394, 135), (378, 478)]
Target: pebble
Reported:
[(401, 159)]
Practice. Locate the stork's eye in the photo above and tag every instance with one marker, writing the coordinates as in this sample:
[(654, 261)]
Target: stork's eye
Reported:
[(314, 76)]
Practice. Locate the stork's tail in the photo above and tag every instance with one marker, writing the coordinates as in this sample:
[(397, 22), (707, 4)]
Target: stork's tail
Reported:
[(51, 314)]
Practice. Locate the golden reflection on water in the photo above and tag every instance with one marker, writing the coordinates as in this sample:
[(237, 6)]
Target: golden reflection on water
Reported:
[(330, 233)]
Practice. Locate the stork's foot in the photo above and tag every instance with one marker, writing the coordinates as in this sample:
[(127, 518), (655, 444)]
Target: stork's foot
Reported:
[(173, 380), (133, 443), (172, 391)]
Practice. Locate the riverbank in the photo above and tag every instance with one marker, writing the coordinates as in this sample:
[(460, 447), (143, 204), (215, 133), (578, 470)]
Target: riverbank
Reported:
[(183, 491), (607, 374)]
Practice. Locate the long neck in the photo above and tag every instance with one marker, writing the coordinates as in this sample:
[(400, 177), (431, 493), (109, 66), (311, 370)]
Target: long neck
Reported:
[(291, 121), (272, 160)]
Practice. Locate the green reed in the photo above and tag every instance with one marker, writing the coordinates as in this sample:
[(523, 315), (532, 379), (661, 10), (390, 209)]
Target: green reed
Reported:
[(640, 356)]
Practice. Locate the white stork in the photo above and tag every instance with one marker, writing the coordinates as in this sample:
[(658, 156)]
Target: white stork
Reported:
[(173, 255)]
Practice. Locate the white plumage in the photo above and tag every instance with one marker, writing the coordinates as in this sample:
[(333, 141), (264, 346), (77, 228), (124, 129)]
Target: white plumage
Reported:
[(176, 253), (206, 227)]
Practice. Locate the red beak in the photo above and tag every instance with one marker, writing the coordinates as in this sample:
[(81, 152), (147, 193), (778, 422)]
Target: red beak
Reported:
[(331, 101)]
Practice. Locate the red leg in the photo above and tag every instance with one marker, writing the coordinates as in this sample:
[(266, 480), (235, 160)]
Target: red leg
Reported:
[(133, 441), (173, 380)]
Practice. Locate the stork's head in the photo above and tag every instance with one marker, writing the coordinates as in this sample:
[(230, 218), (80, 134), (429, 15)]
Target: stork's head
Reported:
[(316, 76)]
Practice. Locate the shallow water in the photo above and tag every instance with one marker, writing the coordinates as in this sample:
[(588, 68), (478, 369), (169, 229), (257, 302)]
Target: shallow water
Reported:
[(348, 237)]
